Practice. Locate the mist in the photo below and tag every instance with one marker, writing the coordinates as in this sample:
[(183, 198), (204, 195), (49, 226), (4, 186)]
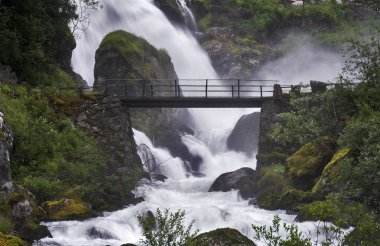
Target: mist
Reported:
[(303, 62)]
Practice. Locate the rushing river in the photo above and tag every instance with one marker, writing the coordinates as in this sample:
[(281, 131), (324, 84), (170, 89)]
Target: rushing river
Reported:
[(209, 210)]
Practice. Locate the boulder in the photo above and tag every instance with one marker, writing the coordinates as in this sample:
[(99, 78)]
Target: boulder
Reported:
[(159, 177), (122, 55), (223, 237), (292, 198), (304, 167), (23, 211), (67, 209), (269, 190), (244, 137), (97, 232), (317, 86), (329, 180), (243, 180)]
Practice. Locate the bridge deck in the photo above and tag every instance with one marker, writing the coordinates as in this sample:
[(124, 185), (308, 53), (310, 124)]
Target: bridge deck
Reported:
[(193, 102), (193, 93)]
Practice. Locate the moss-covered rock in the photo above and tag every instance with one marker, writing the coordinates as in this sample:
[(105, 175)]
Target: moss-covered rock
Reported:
[(223, 237), (329, 180), (122, 55), (270, 187), (292, 198), (306, 165), (67, 209), (9, 240)]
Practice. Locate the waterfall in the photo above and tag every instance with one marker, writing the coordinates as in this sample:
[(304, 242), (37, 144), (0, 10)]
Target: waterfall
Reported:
[(188, 15), (209, 210)]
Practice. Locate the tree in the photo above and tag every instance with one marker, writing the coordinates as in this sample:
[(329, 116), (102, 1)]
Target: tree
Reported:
[(166, 229), (81, 21), (294, 237)]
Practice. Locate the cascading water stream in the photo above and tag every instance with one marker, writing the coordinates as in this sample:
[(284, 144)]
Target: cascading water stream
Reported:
[(210, 210)]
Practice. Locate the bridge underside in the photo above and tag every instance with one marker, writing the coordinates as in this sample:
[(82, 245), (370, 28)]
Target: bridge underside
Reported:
[(191, 102)]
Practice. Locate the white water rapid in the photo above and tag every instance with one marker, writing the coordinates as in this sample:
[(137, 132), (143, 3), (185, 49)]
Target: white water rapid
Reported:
[(210, 210)]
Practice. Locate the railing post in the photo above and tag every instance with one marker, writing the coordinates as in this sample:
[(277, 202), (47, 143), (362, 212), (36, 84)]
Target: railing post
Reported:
[(144, 88), (151, 90), (238, 88), (179, 91), (261, 91), (232, 90), (175, 87), (126, 90), (206, 87)]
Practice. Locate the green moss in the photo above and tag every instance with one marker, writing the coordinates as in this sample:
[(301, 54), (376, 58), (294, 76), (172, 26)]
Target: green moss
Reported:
[(278, 169), (125, 43), (5, 225), (66, 209), (291, 198), (8, 240), (330, 175), (304, 166), (205, 22), (272, 158), (223, 237)]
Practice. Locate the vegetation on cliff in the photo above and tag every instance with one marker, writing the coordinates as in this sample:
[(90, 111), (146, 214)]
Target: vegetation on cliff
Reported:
[(347, 182)]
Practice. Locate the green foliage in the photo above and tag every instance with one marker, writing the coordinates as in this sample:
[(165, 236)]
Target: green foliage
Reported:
[(5, 225), (315, 115), (265, 17), (362, 170), (166, 229), (50, 157), (294, 237)]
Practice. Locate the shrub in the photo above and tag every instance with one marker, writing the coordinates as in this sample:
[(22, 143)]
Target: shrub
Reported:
[(166, 229)]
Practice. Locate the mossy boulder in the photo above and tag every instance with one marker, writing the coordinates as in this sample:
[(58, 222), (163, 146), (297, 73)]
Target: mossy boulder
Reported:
[(67, 209), (292, 198), (244, 180), (122, 55), (223, 237), (329, 180), (270, 187), (20, 208), (305, 166), (10, 240)]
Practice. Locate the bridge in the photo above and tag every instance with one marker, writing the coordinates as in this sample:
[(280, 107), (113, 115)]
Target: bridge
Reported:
[(193, 93)]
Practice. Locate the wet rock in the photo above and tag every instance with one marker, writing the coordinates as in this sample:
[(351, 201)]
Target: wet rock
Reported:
[(172, 10), (223, 237), (243, 180), (244, 137), (159, 177), (96, 232)]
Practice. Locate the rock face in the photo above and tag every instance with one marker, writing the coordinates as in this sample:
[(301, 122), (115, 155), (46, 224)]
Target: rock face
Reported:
[(24, 212), (223, 237), (6, 142), (243, 180), (306, 165), (234, 58), (122, 55), (244, 137), (172, 10)]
